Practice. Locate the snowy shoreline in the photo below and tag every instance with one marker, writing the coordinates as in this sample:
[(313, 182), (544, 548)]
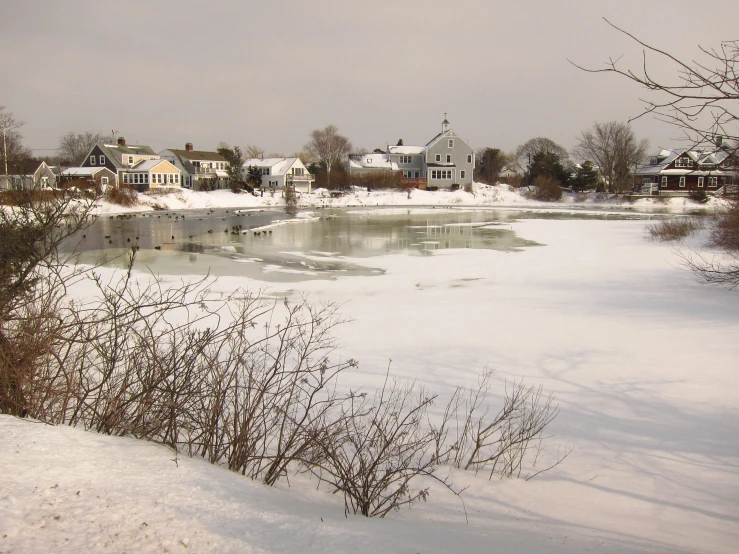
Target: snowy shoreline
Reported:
[(484, 196)]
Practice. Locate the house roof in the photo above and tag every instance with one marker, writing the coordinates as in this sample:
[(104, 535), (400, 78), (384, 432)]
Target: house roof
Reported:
[(24, 167), (83, 171), (147, 165), (115, 152), (373, 161), (198, 155), (406, 149), (702, 157), (278, 166)]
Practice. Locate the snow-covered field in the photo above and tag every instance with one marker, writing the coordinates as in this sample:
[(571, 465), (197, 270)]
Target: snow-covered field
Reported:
[(641, 358)]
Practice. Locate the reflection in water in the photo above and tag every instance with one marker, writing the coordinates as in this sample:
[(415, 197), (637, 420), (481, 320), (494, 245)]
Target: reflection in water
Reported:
[(273, 246)]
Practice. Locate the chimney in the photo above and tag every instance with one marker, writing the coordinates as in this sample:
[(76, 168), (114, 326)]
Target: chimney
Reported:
[(121, 141), (188, 146)]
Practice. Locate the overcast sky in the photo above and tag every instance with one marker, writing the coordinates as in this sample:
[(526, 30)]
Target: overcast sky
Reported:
[(248, 72)]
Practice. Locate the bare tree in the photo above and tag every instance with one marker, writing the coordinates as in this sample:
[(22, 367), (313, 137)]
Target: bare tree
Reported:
[(328, 146), (614, 148), (73, 147), (12, 143), (701, 99), (539, 145), (252, 151)]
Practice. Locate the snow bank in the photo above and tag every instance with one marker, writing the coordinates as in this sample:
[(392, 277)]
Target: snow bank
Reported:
[(482, 196)]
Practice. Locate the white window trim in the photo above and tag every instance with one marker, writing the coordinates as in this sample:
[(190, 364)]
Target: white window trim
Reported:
[(663, 184), (102, 160), (451, 143), (92, 160), (700, 182), (682, 182), (438, 157)]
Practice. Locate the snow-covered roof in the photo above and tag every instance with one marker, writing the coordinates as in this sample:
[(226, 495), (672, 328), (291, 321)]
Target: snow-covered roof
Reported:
[(702, 157), (82, 171), (403, 149), (147, 165), (373, 161), (278, 166)]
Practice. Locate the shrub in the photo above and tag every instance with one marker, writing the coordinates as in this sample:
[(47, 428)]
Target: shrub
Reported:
[(547, 189), (674, 229), (699, 195), (237, 380), (123, 195), (291, 199)]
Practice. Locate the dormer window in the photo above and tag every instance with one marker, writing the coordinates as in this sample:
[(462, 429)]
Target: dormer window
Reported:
[(683, 162), (130, 160), (653, 161)]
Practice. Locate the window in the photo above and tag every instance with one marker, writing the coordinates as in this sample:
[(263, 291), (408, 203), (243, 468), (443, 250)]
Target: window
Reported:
[(451, 143), (146, 178), (92, 160), (664, 182), (176, 179), (646, 180), (713, 181), (102, 160), (448, 158), (653, 161), (130, 160), (700, 182), (104, 181), (469, 158), (441, 173), (406, 159), (682, 182), (683, 162), (265, 171), (461, 174), (438, 157)]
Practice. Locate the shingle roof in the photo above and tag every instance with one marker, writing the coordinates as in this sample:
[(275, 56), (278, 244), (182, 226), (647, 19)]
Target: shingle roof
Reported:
[(198, 155)]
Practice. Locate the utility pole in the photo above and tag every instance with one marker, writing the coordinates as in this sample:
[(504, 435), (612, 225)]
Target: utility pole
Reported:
[(7, 123)]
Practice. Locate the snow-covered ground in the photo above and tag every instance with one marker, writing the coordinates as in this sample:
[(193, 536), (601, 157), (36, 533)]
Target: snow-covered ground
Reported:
[(641, 358), (484, 195)]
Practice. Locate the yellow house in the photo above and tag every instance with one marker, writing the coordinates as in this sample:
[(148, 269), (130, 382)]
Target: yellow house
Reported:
[(152, 174)]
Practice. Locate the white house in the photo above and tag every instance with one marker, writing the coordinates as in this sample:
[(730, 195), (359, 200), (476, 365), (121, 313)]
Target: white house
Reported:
[(281, 172)]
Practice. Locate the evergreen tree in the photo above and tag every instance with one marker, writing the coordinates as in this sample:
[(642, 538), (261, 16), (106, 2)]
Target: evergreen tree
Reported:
[(586, 176)]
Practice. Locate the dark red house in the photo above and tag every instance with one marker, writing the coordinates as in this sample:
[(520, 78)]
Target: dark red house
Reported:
[(677, 172)]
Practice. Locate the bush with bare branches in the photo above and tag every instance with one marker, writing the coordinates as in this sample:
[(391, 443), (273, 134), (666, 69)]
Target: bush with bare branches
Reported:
[(674, 229), (235, 379)]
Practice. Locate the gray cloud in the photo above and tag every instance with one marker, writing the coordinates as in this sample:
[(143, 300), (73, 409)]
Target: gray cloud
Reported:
[(165, 72)]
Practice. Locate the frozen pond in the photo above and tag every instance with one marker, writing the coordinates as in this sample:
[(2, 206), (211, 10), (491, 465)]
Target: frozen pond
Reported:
[(321, 244), (640, 357)]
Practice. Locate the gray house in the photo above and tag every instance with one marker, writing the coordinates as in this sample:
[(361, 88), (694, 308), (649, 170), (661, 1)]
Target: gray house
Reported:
[(446, 161), (28, 174)]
